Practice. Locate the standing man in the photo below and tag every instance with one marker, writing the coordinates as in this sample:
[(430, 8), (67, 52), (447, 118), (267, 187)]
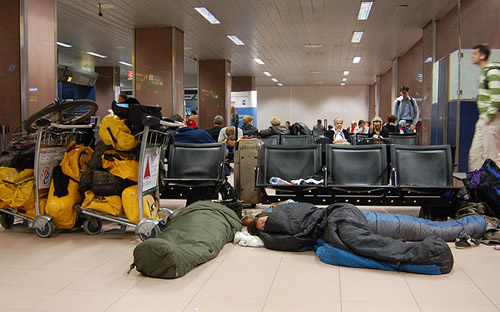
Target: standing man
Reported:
[(486, 141), (406, 108)]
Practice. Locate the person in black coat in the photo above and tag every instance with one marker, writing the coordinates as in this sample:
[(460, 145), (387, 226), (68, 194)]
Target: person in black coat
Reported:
[(214, 131), (248, 129)]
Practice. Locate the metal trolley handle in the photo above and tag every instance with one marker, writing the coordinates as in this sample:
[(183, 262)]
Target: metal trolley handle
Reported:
[(44, 122), (149, 121)]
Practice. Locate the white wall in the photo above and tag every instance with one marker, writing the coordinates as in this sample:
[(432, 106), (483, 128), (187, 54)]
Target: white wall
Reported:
[(310, 103)]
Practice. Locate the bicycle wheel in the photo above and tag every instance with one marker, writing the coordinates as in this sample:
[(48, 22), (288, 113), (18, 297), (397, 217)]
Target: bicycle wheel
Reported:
[(70, 113)]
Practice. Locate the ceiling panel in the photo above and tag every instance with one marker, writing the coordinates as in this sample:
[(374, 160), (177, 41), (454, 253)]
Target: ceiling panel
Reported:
[(273, 30)]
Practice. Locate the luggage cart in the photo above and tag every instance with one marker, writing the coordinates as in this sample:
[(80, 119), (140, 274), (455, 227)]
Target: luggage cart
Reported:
[(151, 141), (50, 140)]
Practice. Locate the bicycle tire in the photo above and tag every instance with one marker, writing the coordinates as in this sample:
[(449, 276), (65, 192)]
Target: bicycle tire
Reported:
[(71, 113)]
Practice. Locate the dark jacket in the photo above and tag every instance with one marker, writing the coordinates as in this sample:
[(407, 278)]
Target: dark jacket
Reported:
[(190, 135), (214, 132), (293, 227), (249, 130), (274, 130)]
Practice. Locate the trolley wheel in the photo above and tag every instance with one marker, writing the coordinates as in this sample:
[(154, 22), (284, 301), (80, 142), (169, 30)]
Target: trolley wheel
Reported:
[(66, 113), (92, 226), (155, 231), (46, 231), (6, 220)]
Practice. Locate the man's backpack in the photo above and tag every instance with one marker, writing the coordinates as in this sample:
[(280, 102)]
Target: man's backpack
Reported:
[(300, 128), (488, 188)]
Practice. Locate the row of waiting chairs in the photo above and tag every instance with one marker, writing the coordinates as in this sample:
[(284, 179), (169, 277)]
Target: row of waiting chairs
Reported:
[(423, 168), (357, 139)]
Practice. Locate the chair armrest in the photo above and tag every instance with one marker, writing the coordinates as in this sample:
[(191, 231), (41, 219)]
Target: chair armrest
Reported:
[(257, 175), (394, 177), (325, 176)]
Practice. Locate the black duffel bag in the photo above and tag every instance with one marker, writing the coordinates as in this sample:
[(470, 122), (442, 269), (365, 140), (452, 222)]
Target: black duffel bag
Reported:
[(134, 113), (106, 184)]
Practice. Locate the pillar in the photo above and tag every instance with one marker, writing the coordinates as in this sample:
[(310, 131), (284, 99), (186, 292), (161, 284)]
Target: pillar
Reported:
[(429, 52), (240, 84), (108, 81), (214, 91), (158, 60), (10, 63)]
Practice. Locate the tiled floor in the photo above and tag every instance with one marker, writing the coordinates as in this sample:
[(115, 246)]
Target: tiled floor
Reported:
[(77, 272)]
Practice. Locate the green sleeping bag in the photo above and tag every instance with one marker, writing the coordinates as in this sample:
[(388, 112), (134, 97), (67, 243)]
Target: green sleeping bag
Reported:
[(194, 236)]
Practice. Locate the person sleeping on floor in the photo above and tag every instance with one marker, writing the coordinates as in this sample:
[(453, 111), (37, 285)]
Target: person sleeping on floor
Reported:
[(341, 234)]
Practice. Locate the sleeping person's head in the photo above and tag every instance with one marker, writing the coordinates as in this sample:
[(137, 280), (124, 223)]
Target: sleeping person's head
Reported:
[(258, 223)]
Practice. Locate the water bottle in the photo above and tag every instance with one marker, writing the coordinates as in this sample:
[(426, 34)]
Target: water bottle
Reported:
[(278, 181)]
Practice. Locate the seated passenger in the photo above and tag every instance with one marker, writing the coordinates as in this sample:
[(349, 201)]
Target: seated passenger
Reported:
[(390, 126), (215, 130), (248, 128), (361, 128), (275, 128), (341, 136), (376, 131), (185, 134), (329, 133)]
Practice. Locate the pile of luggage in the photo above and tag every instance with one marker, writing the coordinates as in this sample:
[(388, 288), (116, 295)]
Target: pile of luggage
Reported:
[(110, 185)]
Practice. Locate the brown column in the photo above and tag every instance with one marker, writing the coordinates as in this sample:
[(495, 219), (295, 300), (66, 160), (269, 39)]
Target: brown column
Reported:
[(10, 64), (386, 94), (108, 80), (214, 91), (239, 84), (429, 48), (159, 69), (41, 44)]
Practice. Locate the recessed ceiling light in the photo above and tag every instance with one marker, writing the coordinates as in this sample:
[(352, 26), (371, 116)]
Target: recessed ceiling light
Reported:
[(364, 10), (235, 39), (356, 59), (268, 74), (356, 36), (274, 79), (207, 15), (125, 63), (313, 45), (62, 44), (346, 72), (96, 54), (258, 61), (314, 72), (280, 84), (342, 84), (344, 79)]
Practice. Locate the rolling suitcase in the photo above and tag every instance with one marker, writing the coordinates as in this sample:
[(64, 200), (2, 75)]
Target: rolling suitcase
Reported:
[(246, 157)]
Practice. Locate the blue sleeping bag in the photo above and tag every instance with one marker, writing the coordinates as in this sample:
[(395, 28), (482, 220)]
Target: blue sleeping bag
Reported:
[(416, 229)]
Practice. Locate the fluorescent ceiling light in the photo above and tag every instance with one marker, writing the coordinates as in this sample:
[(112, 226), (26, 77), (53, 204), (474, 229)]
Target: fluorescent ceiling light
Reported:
[(274, 79), (314, 72), (258, 61), (207, 15), (313, 45), (97, 54), (428, 60), (125, 63), (346, 72), (356, 59), (342, 84), (364, 10), (62, 44), (268, 74), (356, 36), (280, 84), (318, 82), (235, 39), (344, 79)]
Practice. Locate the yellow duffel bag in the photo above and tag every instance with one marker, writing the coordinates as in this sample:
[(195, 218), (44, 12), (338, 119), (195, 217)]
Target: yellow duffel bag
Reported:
[(119, 164), (29, 210), (131, 205), (113, 131), (109, 204), (16, 188), (61, 208), (75, 160)]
